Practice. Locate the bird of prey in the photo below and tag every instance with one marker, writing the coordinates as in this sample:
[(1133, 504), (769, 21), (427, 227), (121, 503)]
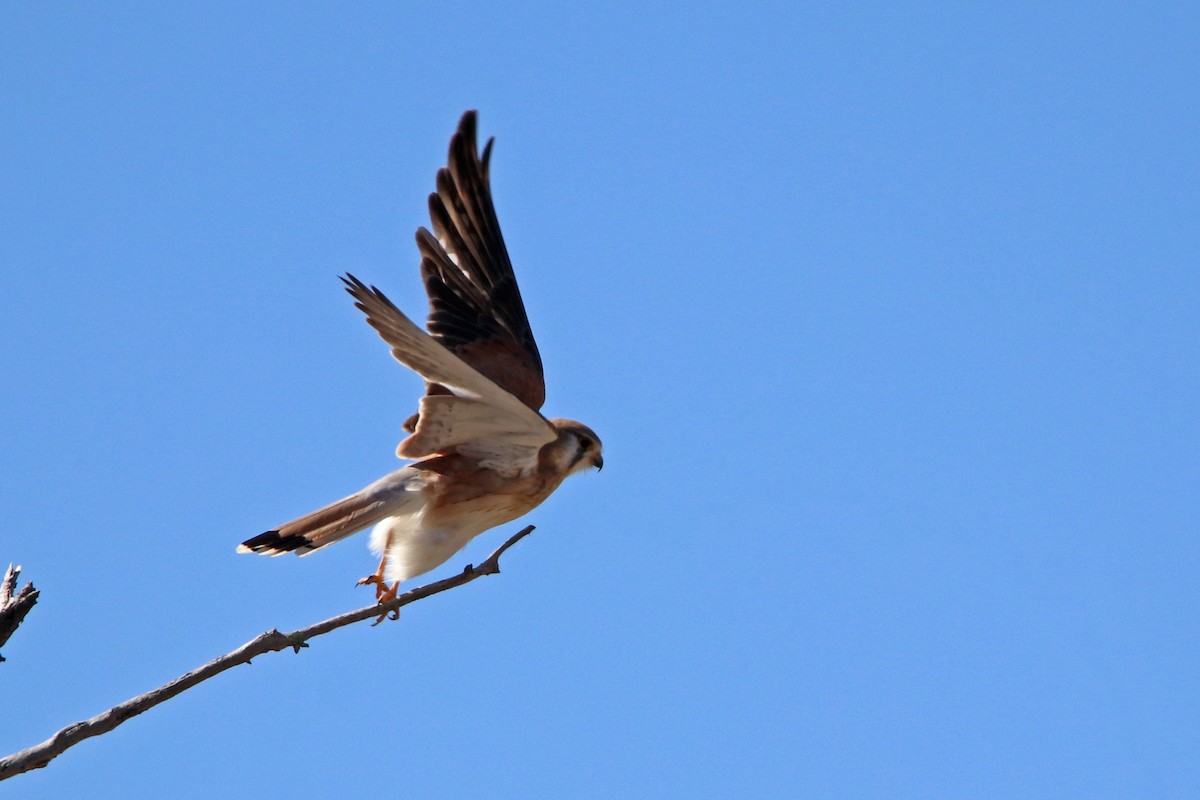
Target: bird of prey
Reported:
[(482, 453)]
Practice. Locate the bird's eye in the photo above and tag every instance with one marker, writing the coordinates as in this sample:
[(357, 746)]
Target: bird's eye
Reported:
[(585, 443)]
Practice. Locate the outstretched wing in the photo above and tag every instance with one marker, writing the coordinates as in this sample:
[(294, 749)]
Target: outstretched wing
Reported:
[(475, 308), (479, 417)]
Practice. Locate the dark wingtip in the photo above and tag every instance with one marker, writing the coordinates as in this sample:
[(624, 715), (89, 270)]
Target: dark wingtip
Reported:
[(361, 292), (486, 158), (272, 543)]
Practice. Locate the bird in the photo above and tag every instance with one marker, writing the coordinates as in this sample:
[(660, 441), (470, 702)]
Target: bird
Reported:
[(481, 452)]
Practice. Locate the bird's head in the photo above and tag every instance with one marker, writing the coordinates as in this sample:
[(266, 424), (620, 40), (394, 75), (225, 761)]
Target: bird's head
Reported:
[(582, 445)]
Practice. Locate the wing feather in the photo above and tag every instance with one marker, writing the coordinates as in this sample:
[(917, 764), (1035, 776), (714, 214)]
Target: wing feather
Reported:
[(475, 306), (472, 427), (486, 412)]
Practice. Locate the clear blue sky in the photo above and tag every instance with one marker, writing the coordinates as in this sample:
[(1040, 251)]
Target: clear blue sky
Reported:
[(887, 315)]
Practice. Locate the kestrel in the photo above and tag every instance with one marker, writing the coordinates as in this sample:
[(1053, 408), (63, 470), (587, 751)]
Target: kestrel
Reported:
[(482, 453)]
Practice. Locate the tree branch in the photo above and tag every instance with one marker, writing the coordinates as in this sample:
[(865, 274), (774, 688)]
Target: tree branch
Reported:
[(40, 755), (14, 605)]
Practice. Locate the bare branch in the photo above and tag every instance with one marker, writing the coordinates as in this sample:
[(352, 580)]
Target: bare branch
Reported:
[(14, 605), (40, 755)]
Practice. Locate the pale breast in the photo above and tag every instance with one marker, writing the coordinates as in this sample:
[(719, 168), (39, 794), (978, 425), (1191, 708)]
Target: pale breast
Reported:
[(476, 501)]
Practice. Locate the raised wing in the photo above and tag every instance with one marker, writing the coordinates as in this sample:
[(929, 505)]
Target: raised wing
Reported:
[(475, 307), (480, 417)]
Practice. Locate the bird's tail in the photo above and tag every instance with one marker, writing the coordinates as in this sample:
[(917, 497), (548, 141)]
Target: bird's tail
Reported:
[(392, 495)]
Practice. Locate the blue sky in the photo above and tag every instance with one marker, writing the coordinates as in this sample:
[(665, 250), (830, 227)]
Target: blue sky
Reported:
[(886, 313)]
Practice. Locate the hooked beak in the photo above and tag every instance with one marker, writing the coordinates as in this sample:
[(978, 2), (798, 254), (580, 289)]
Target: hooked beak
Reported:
[(598, 463)]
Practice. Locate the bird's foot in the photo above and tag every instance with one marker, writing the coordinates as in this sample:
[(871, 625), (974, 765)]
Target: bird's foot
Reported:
[(391, 614), (375, 579), (383, 593)]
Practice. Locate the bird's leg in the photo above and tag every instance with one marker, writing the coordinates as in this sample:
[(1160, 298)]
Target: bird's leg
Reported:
[(383, 592)]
